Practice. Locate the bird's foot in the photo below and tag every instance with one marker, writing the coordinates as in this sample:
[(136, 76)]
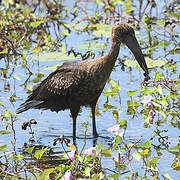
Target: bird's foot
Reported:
[(146, 77)]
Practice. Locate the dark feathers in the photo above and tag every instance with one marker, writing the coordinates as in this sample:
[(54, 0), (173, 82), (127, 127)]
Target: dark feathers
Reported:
[(67, 85)]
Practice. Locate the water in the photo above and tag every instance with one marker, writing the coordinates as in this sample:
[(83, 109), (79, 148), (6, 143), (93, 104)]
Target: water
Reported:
[(51, 124)]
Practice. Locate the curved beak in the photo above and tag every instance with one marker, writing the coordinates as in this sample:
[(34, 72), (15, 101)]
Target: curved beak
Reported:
[(133, 45)]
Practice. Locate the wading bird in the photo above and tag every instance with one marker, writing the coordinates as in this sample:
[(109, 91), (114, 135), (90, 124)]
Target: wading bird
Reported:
[(77, 84)]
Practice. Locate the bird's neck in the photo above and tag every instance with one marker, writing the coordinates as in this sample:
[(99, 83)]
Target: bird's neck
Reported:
[(114, 51), (111, 57)]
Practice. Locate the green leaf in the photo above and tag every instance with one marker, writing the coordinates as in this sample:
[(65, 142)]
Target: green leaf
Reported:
[(1, 104), (53, 56), (132, 106), (7, 3), (113, 90), (175, 51), (38, 78), (100, 147), (87, 171), (158, 76), (146, 91), (131, 63), (80, 158), (178, 83), (128, 5), (156, 63), (13, 98), (65, 32), (36, 50), (145, 152), (131, 93), (90, 45), (16, 77), (29, 150), (162, 22), (176, 164), (147, 20), (175, 149), (102, 30), (136, 156), (159, 90), (164, 102), (150, 63), (98, 2), (156, 104), (18, 157), (80, 26), (6, 114), (147, 144), (3, 147), (26, 11), (71, 147), (4, 51), (106, 152), (114, 176), (116, 115), (45, 174), (36, 23), (154, 161), (160, 111), (52, 68), (117, 141), (167, 176), (3, 132), (113, 83), (173, 14), (163, 44), (39, 153), (108, 106), (123, 124)]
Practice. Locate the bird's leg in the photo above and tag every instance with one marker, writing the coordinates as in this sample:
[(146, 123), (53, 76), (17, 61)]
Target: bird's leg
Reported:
[(74, 113), (94, 142), (93, 107)]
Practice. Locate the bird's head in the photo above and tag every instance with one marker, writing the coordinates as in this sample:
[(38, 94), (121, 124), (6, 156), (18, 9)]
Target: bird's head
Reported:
[(123, 33)]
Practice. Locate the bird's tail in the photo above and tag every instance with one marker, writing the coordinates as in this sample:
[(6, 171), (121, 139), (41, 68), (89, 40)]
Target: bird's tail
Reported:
[(28, 105)]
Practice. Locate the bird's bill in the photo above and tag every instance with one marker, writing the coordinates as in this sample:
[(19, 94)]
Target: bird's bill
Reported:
[(133, 45)]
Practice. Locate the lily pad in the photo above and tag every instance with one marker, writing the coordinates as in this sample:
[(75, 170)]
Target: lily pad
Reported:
[(175, 149), (53, 56), (92, 45), (102, 29), (150, 63), (3, 132), (52, 68)]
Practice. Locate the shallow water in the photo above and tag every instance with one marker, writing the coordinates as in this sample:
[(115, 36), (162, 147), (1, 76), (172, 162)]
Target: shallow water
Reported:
[(51, 124)]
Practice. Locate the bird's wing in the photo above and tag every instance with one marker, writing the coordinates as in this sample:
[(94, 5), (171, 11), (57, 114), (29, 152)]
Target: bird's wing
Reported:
[(71, 63), (59, 83), (56, 87)]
